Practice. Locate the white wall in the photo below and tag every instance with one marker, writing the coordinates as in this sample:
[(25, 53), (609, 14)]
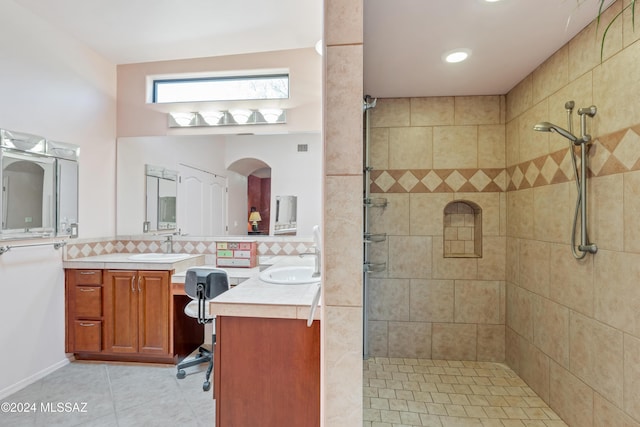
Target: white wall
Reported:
[(54, 87)]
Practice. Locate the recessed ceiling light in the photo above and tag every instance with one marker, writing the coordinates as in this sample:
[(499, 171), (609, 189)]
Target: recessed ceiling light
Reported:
[(457, 55)]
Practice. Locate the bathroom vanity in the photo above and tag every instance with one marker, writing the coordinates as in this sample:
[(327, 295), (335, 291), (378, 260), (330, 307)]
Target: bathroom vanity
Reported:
[(118, 309), (267, 360)]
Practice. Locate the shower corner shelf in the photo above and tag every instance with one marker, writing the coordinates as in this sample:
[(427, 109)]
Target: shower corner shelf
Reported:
[(375, 202), (374, 267), (374, 238)]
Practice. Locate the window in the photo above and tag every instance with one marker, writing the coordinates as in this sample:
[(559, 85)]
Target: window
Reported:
[(227, 88)]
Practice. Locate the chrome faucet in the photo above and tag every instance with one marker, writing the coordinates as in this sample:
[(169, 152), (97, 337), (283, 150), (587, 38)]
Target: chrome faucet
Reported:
[(317, 255), (169, 243)]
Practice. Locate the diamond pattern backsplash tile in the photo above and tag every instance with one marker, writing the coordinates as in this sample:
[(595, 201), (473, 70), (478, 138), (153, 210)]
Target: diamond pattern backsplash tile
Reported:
[(610, 154)]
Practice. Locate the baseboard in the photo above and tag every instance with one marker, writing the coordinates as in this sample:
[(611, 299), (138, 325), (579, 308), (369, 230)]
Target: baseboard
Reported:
[(8, 391)]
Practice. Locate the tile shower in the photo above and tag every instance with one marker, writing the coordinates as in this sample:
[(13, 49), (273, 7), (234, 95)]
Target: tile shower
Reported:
[(569, 328)]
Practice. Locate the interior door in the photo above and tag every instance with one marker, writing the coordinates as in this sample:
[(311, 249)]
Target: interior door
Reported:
[(202, 203)]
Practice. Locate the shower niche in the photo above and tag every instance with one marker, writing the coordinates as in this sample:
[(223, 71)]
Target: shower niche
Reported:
[(462, 230)]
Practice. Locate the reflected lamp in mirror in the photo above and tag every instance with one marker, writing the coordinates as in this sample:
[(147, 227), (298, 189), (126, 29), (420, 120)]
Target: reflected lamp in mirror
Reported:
[(254, 218)]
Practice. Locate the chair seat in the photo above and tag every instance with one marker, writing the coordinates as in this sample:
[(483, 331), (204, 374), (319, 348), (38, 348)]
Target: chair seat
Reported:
[(191, 310)]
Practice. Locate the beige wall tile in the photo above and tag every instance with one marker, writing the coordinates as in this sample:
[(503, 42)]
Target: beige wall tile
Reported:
[(427, 213), (553, 208), (551, 330), (410, 339), (520, 98), (341, 267), (388, 299), (597, 356), (477, 110), (343, 82), (392, 219), (631, 209), (491, 343), (410, 148), (512, 349), (490, 205), (534, 266), (520, 214), (431, 300), (451, 268), (512, 143), (533, 144), (492, 264), (378, 253), (632, 376), (551, 75), (512, 267), (534, 368), (610, 91), (616, 290), (571, 280), (570, 398), (452, 341), (432, 111), (342, 355), (606, 414), (379, 148), (455, 147), (520, 311), (378, 338), (477, 302), (391, 112), (343, 21), (491, 146), (606, 212), (410, 257)]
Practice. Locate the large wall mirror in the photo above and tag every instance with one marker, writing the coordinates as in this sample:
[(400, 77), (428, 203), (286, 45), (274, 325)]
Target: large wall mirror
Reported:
[(212, 197)]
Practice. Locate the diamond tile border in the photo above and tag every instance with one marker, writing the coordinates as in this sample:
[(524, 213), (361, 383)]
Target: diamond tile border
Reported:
[(608, 155), (194, 247)]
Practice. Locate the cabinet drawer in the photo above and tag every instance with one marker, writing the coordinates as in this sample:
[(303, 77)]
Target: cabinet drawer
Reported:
[(88, 301), (88, 277), (87, 335)]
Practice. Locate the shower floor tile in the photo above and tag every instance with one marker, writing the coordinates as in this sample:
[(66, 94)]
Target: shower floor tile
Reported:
[(440, 393)]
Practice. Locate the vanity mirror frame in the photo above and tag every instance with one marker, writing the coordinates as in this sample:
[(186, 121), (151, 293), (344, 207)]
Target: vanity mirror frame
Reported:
[(56, 211)]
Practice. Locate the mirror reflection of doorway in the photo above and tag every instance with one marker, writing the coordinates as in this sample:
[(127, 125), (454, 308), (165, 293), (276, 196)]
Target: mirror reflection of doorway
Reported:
[(259, 200)]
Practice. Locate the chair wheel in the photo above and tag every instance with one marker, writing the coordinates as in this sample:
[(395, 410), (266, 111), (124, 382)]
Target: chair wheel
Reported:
[(181, 374), (206, 386)]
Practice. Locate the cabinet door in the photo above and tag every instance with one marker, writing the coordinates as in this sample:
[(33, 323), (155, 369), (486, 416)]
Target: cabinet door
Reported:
[(153, 312), (121, 311)]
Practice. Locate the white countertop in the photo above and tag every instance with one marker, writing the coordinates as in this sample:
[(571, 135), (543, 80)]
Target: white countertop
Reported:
[(233, 272), (255, 298), (121, 261)]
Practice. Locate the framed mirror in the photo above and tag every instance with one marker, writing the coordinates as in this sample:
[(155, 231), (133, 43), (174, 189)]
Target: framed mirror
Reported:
[(161, 199)]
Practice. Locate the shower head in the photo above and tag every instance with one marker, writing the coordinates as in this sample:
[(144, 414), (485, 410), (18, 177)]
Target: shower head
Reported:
[(550, 127)]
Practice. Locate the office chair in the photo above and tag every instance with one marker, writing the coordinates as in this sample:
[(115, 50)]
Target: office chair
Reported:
[(202, 285)]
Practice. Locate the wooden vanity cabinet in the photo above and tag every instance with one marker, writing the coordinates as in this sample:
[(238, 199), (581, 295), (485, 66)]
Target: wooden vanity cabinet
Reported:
[(267, 372), (84, 311), (119, 315), (137, 312)]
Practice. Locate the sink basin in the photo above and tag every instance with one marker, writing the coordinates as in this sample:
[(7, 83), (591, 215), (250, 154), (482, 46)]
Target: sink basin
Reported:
[(158, 257), (292, 275)]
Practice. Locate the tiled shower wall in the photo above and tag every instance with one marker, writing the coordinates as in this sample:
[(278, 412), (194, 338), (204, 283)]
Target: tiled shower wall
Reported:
[(573, 327), (426, 153)]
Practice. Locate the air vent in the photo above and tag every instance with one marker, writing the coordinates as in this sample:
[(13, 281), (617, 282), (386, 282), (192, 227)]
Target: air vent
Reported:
[(303, 148)]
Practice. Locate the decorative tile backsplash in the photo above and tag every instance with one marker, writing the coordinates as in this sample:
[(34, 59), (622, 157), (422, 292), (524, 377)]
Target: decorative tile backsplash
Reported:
[(608, 155), (196, 247)]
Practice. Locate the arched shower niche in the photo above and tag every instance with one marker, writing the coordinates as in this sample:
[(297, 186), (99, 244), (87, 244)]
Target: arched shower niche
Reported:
[(462, 230)]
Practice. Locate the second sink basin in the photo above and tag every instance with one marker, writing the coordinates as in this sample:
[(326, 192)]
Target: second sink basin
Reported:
[(159, 257), (291, 275)]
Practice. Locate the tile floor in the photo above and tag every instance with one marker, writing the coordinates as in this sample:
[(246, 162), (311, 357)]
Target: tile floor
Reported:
[(116, 395), (440, 393)]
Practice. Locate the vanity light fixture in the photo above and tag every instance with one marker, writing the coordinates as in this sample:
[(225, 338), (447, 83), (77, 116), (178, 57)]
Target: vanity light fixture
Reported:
[(456, 55), (236, 117)]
